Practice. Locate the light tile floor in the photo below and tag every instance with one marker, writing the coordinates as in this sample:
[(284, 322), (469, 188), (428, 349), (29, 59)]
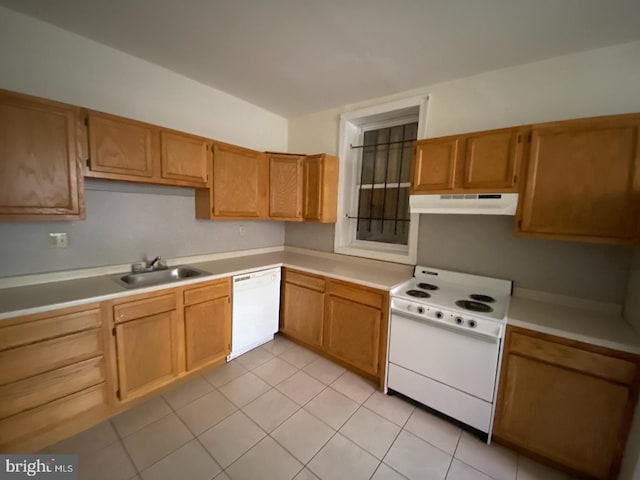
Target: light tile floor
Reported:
[(282, 412)]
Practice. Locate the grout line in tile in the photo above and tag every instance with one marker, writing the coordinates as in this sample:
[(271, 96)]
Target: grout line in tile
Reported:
[(126, 451), (453, 455)]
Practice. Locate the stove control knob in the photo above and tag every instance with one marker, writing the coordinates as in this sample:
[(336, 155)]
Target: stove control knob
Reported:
[(409, 307), (473, 324), (439, 315), (420, 310), (459, 320)]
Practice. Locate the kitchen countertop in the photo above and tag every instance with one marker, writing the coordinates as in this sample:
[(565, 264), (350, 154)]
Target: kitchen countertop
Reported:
[(605, 329), (544, 313), (28, 299)]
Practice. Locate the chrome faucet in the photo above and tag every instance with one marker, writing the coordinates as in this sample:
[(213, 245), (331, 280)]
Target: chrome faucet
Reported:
[(156, 264)]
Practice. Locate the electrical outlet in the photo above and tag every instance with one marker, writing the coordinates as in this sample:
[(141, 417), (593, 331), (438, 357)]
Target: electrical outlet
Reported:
[(59, 240), (242, 230)]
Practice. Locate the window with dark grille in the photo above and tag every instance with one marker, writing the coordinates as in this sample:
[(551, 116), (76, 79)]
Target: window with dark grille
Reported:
[(385, 176)]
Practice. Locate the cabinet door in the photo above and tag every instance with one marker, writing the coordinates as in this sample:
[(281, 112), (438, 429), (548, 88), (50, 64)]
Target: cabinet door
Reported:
[(435, 165), (120, 146), (312, 188), (583, 180), (492, 159), (563, 415), (39, 166), (352, 333), (303, 313), (184, 158), (207, 332), (285, 187), (240, 183), (147, 353)]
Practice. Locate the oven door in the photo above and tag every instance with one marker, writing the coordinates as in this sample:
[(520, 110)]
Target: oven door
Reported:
[(462, 360)]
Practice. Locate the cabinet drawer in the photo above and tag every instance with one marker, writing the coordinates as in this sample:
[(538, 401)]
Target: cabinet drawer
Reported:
[(29, 423), (29, 393), (357, 294), (207, 292), (144, 308), (23, 362), (50, 327), (611, 368), (304, 280)]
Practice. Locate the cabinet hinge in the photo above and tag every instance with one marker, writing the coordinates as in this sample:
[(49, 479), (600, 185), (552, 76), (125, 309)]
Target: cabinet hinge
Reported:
[(229, 300), (118, 394), (86, 121), (519, 223), (88, 162), (519, 138), (113, 331), (529, 137), (515, 178)]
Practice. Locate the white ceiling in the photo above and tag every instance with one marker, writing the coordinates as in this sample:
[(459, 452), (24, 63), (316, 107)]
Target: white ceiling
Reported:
[(299, 56)]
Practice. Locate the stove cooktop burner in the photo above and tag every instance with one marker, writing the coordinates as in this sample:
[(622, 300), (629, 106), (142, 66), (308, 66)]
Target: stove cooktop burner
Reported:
[(474, 306), (482, 298), (418, 293), (428, 286)]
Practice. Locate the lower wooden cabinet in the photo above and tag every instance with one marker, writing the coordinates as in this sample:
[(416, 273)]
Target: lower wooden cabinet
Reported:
[(566, 402), (344, 321), (146, 346), (303, 307), (54, 376), (207, 323)]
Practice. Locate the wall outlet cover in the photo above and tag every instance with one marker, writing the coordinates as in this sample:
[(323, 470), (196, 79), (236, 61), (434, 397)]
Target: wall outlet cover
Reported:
[(59, 240)]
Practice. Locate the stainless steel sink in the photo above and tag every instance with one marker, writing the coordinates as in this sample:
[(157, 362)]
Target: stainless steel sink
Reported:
[(158, 277)]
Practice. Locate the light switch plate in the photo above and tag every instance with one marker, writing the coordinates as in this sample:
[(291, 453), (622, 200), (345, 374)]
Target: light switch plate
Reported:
[(59, 240)]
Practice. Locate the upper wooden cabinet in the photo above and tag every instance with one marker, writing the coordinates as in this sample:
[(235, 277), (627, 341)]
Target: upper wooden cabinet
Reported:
[(285, 186), (238, 187), (123, 149), (320, 188), (567, 402), (583, 180), (483, 162), (184, 157), (40, 169)]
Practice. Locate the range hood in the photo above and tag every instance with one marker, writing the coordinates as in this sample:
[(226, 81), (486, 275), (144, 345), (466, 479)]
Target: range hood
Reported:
[(474, 204)]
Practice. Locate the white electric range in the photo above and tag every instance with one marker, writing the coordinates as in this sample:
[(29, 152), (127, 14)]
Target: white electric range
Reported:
[(445, 343)]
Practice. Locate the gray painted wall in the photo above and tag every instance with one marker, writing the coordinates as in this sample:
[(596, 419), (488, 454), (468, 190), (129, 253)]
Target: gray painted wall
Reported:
[(124, 224), (317, 236), (486, 245)]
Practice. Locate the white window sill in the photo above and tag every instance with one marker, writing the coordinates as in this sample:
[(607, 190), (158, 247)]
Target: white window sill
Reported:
[(377, 254)]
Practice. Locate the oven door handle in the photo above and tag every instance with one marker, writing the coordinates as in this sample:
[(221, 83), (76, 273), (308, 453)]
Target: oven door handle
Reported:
[(487, 337)]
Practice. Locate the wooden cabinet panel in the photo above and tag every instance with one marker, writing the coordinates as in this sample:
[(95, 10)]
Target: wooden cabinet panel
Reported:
[(320, 188), (28, 424), (563, 401), (367, 296), (207, 332), (121, 146), (492, 160), (203, 293), (22, 362), (141, 308), (567, 417), (45, 326), (352, 333), (313, 282), (583, 180), (435, 165), (40, 172), (285, 187), (184, 158), (302, 314), (147, 353), (238, 187), (30, 392)]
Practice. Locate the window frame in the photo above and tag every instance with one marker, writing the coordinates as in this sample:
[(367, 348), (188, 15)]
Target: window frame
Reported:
[(353, 124)]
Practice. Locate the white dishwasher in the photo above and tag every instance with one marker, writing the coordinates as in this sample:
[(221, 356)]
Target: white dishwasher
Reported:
[(256, 310)]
